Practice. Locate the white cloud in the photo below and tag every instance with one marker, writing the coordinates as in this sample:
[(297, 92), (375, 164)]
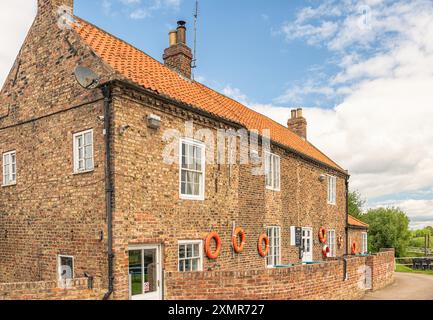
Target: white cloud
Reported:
[(16, 18), (382, 131), (141, 9)]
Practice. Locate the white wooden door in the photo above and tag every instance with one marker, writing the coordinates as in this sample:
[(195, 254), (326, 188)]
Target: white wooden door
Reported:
[(145, 273), (307, 244)]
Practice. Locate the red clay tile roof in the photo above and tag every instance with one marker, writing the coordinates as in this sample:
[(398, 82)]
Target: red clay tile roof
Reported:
[(149, 73), (357, 223)]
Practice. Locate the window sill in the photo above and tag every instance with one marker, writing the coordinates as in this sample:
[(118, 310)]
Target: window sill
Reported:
[(82, 172), (332, 204), (9, 185), (191, 198), (272, 189)]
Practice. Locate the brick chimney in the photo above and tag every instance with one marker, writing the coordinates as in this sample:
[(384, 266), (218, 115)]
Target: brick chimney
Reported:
[(52, 5), (297, 123), (178, 56)]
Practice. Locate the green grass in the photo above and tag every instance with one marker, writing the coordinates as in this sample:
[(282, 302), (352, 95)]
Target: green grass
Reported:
[(402, 268)]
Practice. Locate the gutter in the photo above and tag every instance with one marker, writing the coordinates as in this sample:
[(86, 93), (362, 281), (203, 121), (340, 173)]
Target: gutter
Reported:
[(106, 91)]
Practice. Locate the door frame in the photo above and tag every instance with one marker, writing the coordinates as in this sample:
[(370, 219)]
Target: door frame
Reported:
[(311, 244), (158, 294)]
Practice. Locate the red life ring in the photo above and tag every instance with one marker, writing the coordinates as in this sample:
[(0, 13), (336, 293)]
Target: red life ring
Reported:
[(325, 251), (354, 247), (263, 252), (238, 232), (322, 235), (209, 253)]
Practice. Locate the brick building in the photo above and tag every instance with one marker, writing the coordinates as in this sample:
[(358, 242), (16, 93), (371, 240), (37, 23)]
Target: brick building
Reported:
[(358, 235), (85, 179)]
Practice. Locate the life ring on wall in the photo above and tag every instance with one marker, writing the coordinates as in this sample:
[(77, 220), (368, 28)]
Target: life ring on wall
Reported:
[(238, 248), (354, 247), (325, 251), (263, 252), (322, 235), (340, 241), (207, 248)]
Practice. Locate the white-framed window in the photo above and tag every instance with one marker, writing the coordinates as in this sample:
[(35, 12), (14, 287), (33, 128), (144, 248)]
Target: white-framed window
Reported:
[(332, 244), (9, 168), (332, 190), (192, 169), (83, 151), (190, 255), (364, 240), (65, 267), (272, 171), (274, 256)]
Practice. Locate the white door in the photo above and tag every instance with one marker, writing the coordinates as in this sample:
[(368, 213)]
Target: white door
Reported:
[(145, 273), (307, 244)]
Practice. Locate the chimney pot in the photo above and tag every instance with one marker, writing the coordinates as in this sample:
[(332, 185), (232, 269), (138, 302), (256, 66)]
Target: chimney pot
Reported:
[(172, 37), (181, 32)]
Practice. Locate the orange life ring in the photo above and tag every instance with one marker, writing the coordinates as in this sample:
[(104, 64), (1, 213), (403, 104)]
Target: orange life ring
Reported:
[(354, 247), (263, 252), (322, 235), (238, 232), (209, 253), (325, 251)]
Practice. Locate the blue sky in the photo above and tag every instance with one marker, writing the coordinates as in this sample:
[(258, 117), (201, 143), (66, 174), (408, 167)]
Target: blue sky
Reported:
[(239, 42), (361, 69)]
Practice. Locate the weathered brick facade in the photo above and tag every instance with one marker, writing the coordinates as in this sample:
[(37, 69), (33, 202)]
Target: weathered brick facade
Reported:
[(52, 211)]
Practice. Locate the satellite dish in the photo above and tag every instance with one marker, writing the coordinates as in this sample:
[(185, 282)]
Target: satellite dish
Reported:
[(86, 77)]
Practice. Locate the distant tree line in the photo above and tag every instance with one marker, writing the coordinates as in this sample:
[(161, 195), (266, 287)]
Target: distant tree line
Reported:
[(389, 227)]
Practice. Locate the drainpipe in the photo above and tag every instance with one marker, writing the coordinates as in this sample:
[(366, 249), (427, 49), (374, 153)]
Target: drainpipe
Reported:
[(106, 91), (345, 275), (347, 215)]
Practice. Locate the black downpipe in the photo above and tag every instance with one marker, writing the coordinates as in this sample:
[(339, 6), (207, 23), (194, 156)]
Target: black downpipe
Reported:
[(347, 215), (106, 91), (347, 232)]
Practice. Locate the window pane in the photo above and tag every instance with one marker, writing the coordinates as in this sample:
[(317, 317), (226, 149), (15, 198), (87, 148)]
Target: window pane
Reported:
[(136, 272), (181, 266), (194, 266), (88, 138), (66, 268), (182, 251)]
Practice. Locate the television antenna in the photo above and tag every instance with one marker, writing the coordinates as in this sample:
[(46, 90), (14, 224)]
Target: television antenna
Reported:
[(86, 77), (194, 61)]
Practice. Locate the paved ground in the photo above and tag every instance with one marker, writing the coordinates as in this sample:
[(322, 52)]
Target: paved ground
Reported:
[(407, 286)]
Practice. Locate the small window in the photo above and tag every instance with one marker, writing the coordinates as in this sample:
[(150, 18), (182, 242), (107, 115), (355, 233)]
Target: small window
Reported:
[(274, 256), (272, 171), (192, 170), (332, 190), (65, 269), (332, 244), (364, 239), (83, 151), (190, 256), (9, 168)]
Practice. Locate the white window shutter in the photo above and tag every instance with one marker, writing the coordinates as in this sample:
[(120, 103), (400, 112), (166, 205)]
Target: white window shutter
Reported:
[(293, 236)]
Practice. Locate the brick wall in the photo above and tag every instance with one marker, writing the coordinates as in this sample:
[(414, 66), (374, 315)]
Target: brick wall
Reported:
[(382, 266), (315, 282), (148, 208), (49, 290)]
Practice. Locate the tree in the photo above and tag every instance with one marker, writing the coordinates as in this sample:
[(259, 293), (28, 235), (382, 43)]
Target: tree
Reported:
[(389, 228), (356, 202)]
